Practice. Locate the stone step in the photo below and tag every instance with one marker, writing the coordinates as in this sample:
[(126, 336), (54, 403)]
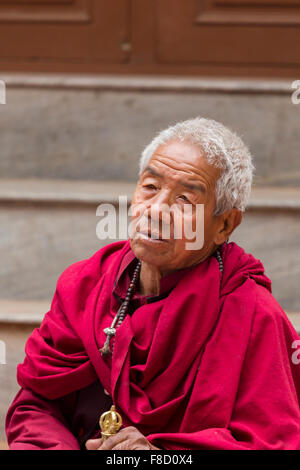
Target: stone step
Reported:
[(63, 192), (48, 225), (95, 127), (22, 312), (93, 192)]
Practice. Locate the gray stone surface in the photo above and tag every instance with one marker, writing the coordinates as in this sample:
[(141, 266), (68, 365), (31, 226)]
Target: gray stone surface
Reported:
[(23, 312), (38, 242), (273, 237), (146, 83), (68, 191), (98, 134)]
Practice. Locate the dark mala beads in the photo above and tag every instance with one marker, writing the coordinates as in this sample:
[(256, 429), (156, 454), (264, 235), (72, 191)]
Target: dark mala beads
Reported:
[(122, 312)]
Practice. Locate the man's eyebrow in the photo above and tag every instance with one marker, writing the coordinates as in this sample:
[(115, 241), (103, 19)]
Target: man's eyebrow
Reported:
[(194, 187), (153, 172), (190, 186)]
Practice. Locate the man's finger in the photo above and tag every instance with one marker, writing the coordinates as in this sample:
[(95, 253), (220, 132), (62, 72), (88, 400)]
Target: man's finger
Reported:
[(121, 436), (111, 442), (93, 444)]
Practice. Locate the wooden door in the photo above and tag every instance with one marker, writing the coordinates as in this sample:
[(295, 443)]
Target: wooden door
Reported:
[(182, 37)]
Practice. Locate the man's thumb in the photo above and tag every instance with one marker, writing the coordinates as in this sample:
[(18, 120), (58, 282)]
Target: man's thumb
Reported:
[(93, 444)]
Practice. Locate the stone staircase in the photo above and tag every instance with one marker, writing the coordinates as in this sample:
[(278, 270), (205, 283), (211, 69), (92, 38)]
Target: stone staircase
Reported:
[(72, 143)]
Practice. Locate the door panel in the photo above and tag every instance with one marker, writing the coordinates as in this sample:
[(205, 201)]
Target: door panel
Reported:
[(255, 12), (82, 30), (228, 32)]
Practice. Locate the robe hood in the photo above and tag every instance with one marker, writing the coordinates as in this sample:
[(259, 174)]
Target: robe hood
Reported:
[(240, 266)]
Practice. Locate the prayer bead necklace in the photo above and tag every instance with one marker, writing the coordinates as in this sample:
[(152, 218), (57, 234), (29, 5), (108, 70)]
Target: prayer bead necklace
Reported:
[(117, 321), (220, 261), (120, 316)]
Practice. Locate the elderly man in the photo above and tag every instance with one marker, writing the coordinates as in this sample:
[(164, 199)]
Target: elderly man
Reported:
[(188, 344)]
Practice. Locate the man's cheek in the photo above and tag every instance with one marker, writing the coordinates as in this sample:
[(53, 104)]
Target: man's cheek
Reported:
[(178, 224)]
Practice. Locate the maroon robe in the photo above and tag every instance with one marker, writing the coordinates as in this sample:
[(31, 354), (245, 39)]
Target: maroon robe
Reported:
[(203, 366)]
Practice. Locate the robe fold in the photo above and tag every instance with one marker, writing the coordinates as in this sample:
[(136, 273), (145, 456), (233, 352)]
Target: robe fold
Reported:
[(208, 366)]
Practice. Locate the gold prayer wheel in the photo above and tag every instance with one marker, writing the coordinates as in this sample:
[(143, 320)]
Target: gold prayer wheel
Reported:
[(110, 422)]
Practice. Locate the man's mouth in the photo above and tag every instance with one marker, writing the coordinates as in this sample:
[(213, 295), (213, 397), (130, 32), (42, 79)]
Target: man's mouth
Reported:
[(152, 236)]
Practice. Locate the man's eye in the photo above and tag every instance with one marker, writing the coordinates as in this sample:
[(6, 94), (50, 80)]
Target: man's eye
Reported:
[(150, 186), (184, 198)]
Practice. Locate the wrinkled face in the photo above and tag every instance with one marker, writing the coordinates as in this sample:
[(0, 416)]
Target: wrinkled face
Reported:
[(177, 175)]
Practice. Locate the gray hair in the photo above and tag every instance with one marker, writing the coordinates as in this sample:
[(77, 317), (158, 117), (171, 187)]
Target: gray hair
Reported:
[(223, 149)]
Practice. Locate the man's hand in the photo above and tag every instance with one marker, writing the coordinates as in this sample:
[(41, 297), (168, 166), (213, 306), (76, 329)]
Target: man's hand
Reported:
[(126, 439)]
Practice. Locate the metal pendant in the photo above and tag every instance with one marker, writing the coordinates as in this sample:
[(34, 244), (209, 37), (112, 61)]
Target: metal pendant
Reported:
[(110, 422)]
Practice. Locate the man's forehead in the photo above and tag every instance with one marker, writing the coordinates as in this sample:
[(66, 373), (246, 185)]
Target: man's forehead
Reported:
[(161, 165), (179, 149)]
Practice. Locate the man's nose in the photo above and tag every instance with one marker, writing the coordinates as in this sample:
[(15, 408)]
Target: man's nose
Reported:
[(160, 216), (162, 198), (159, 213)]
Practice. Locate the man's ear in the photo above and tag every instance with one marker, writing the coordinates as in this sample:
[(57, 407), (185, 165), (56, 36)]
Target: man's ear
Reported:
[(228, 221)]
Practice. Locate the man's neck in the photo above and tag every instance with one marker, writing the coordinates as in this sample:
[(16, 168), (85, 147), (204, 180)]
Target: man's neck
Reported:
[(149, 279)]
